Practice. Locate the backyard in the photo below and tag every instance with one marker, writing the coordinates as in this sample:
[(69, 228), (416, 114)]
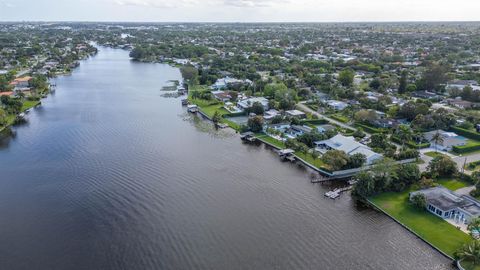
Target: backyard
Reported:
[(429, 227)]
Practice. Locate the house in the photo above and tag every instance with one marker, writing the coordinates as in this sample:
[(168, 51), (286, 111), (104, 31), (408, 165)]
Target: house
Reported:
[(270, 114), (337, 105), (325, 128), (459, 103), (449, 205), (296, 130), (460, 84), (349, 145), (296, 114), (222, 95), (248, 103), (449, 140), (290, 131), (223, 83), (22, 83), (425, 95)]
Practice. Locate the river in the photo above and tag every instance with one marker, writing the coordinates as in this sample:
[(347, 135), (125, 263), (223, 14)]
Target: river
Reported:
[(107, 174)]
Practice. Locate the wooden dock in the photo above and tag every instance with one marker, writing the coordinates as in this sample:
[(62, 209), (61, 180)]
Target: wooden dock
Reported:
[(336, 192)]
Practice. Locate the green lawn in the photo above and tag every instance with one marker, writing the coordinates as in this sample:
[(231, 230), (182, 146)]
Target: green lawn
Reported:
[(268, 139), (27, 104), (434, 154), (315, 162), (433, 229), (452, 184), (341, 118)]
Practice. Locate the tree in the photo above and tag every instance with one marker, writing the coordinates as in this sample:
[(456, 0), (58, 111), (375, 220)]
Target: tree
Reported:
[(359, 133), (216, 117), (189, 73), (346, 77), (255, 123), (434, 75), (474, 224), (470, 252), (257, 108), (408, 173), (402, 87), (336, 159), (357, 160), (442, 166), (419, 200), (404, 133), (365, 116), (3, 117), (365, 185), (437, 139)]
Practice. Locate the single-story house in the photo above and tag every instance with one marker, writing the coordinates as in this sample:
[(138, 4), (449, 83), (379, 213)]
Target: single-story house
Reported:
[(459, 103), (460, 84), (296, 114), (449, 140), (270, 114), (349, 145), (337, 105), (248, 103), (22, 83), (224, 82), (449, 205), (425, 95), (325, 128), (222, 95)]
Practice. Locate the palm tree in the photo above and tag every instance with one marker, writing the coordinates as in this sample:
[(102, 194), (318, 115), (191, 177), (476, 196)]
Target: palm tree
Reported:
[(474, 224), (437, 138), (470, 252), (404, 133)]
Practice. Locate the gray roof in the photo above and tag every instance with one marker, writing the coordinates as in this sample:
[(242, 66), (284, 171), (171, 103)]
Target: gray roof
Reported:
[(447, 200)]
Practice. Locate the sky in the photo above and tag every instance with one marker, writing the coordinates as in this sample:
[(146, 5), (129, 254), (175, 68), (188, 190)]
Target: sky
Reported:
[(240, 10)]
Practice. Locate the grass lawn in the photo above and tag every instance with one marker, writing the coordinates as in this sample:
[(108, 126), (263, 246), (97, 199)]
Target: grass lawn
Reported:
[(309, 158), (433, 229), (452, 184), (339, 117), (27, 104), (434, 154), (268, 139)]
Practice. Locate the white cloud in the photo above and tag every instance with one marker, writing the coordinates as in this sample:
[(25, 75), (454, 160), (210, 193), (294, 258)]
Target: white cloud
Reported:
[(254, 3), (159, 3)]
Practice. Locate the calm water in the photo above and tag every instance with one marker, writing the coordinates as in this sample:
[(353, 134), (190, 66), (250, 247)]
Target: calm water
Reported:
[(108, 174)]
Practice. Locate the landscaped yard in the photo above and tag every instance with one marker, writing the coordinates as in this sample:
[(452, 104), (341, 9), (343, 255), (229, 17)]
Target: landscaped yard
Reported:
[(453, 184), (315, 162), (268, 139), (433, 229), (29, 104)]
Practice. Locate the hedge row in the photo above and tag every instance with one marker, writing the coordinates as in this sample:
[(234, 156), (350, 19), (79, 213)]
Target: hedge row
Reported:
[(474, 164), (368, 129), (466, 133), (340, 118), (411, 144), (227, 115), (315, 122), (466, 148)]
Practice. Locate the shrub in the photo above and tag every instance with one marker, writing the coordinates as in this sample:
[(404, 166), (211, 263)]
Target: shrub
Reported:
[(419, 201)]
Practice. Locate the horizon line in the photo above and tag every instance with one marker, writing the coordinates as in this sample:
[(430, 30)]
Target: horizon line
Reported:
[(239, 22)]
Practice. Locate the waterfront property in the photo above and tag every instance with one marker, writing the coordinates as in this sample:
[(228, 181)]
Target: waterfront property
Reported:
[(349, 145), (248, 103), (447, 204)]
